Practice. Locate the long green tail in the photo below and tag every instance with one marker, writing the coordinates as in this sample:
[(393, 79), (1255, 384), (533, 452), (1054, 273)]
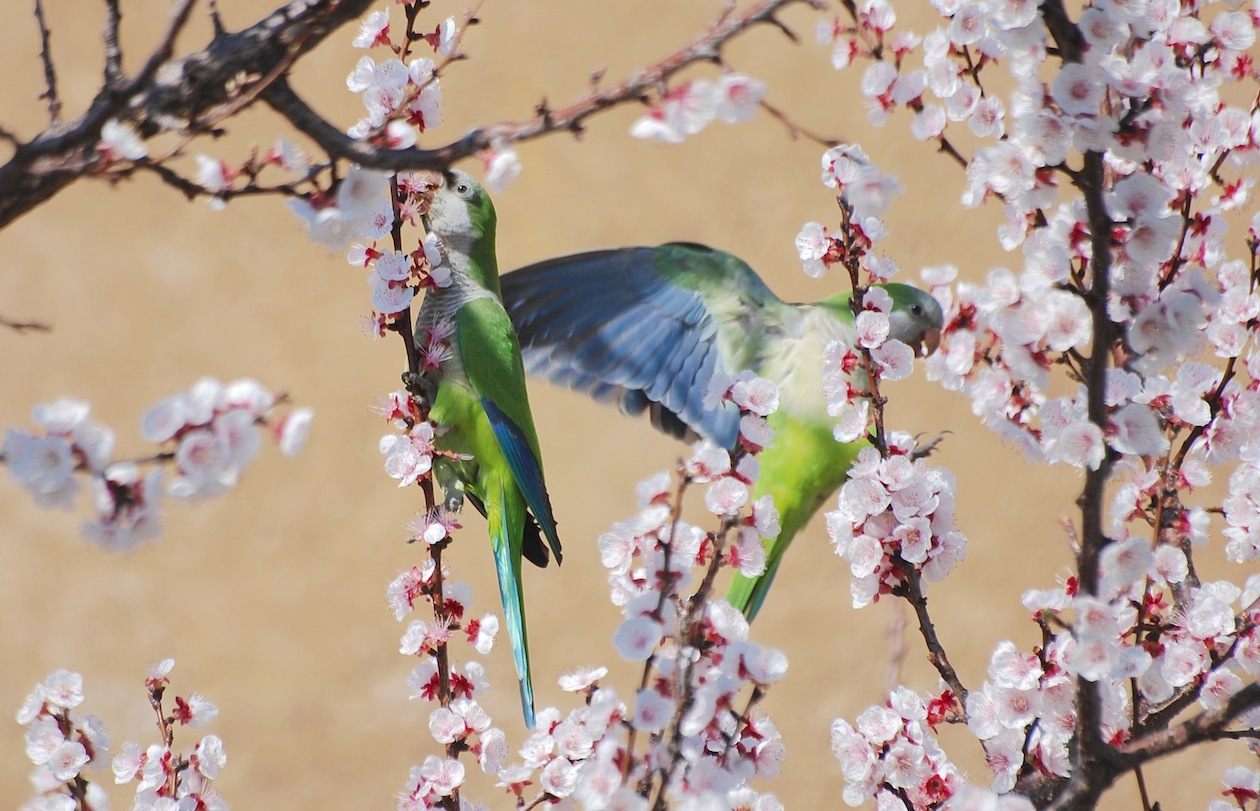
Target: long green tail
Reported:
[(507, 562)]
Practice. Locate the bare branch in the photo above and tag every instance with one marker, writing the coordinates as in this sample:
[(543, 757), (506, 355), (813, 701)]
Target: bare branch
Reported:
[(1206, 726), (912, 591), (192, 190), (50, 73), (796, 130), (215, 19), (113, 54), (24, 326)]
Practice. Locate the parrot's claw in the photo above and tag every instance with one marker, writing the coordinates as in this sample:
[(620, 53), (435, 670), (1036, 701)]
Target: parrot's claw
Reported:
[(419, 387)]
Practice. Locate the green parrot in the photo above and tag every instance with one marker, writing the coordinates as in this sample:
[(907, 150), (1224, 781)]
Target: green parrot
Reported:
[(650, 327), (478, 394)]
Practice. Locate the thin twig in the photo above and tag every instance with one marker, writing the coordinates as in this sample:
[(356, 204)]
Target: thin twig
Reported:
[(24, 326), (113, 52), (50, 73), (192, 190), (896, 646), (216, 21), (912, 591), (796, 130)]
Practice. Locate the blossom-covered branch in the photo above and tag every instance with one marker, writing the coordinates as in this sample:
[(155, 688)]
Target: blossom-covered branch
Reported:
[(63, 746), (207, 435)]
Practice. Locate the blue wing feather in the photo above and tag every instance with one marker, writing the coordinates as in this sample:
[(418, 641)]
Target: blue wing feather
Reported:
[(619, 327), (525, 470)]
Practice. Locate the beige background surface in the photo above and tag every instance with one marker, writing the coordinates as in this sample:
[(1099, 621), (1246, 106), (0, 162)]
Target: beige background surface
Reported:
[(271, 600)]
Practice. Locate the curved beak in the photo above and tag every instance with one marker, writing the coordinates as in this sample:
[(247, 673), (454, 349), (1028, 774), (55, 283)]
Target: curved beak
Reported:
[(929, 343), (432, 183)]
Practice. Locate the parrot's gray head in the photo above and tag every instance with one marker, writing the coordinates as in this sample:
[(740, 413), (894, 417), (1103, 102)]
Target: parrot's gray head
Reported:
[(461, 210), (916, 318)]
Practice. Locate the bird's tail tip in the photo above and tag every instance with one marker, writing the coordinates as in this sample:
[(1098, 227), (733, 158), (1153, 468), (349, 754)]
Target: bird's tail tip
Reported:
[(527, 704)]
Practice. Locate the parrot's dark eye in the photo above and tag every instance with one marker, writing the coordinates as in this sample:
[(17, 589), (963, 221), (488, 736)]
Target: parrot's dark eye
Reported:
[(462, 188), (916, 309)]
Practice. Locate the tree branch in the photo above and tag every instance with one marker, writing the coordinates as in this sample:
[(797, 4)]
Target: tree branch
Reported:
[(113, 54), (188, 88), (56, 157), (50, 73), (705, 48), (1206, 726), (24, 326)]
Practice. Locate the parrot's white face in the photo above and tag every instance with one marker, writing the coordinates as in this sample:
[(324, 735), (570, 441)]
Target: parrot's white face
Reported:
[(461, 216), (450, 214), (918, 324)]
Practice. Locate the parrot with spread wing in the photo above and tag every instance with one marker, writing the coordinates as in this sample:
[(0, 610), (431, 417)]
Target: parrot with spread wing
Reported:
[(648, 328), (478, 395)]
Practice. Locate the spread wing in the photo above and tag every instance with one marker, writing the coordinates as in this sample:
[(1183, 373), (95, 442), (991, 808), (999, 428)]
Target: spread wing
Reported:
[(647, 328)]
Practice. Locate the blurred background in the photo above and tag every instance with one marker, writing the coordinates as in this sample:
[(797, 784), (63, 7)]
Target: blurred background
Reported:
[(271, 600)]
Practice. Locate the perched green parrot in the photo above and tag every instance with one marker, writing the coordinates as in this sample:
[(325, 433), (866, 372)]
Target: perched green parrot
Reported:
[(650, 327), (478, 394)]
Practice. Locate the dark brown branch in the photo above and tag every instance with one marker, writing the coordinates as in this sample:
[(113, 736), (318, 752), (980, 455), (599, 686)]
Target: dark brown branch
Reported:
[(52, 160), (50, 73), (912, 591), (1093, 759), (1206, 726), (192, 190), (113, 53), (24, 326), (205, 80)]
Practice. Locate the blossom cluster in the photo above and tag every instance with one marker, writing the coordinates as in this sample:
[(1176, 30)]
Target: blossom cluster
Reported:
[(408, 453), (218, 178), (401, 99), (62, 745), (867, 193), (892, 750), (213, 429), (846, 382), (395, 276), (1006, 335), (895, 516), (697, 656), (1025, 714), (208, 434), (457, 720), (688, 108)]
